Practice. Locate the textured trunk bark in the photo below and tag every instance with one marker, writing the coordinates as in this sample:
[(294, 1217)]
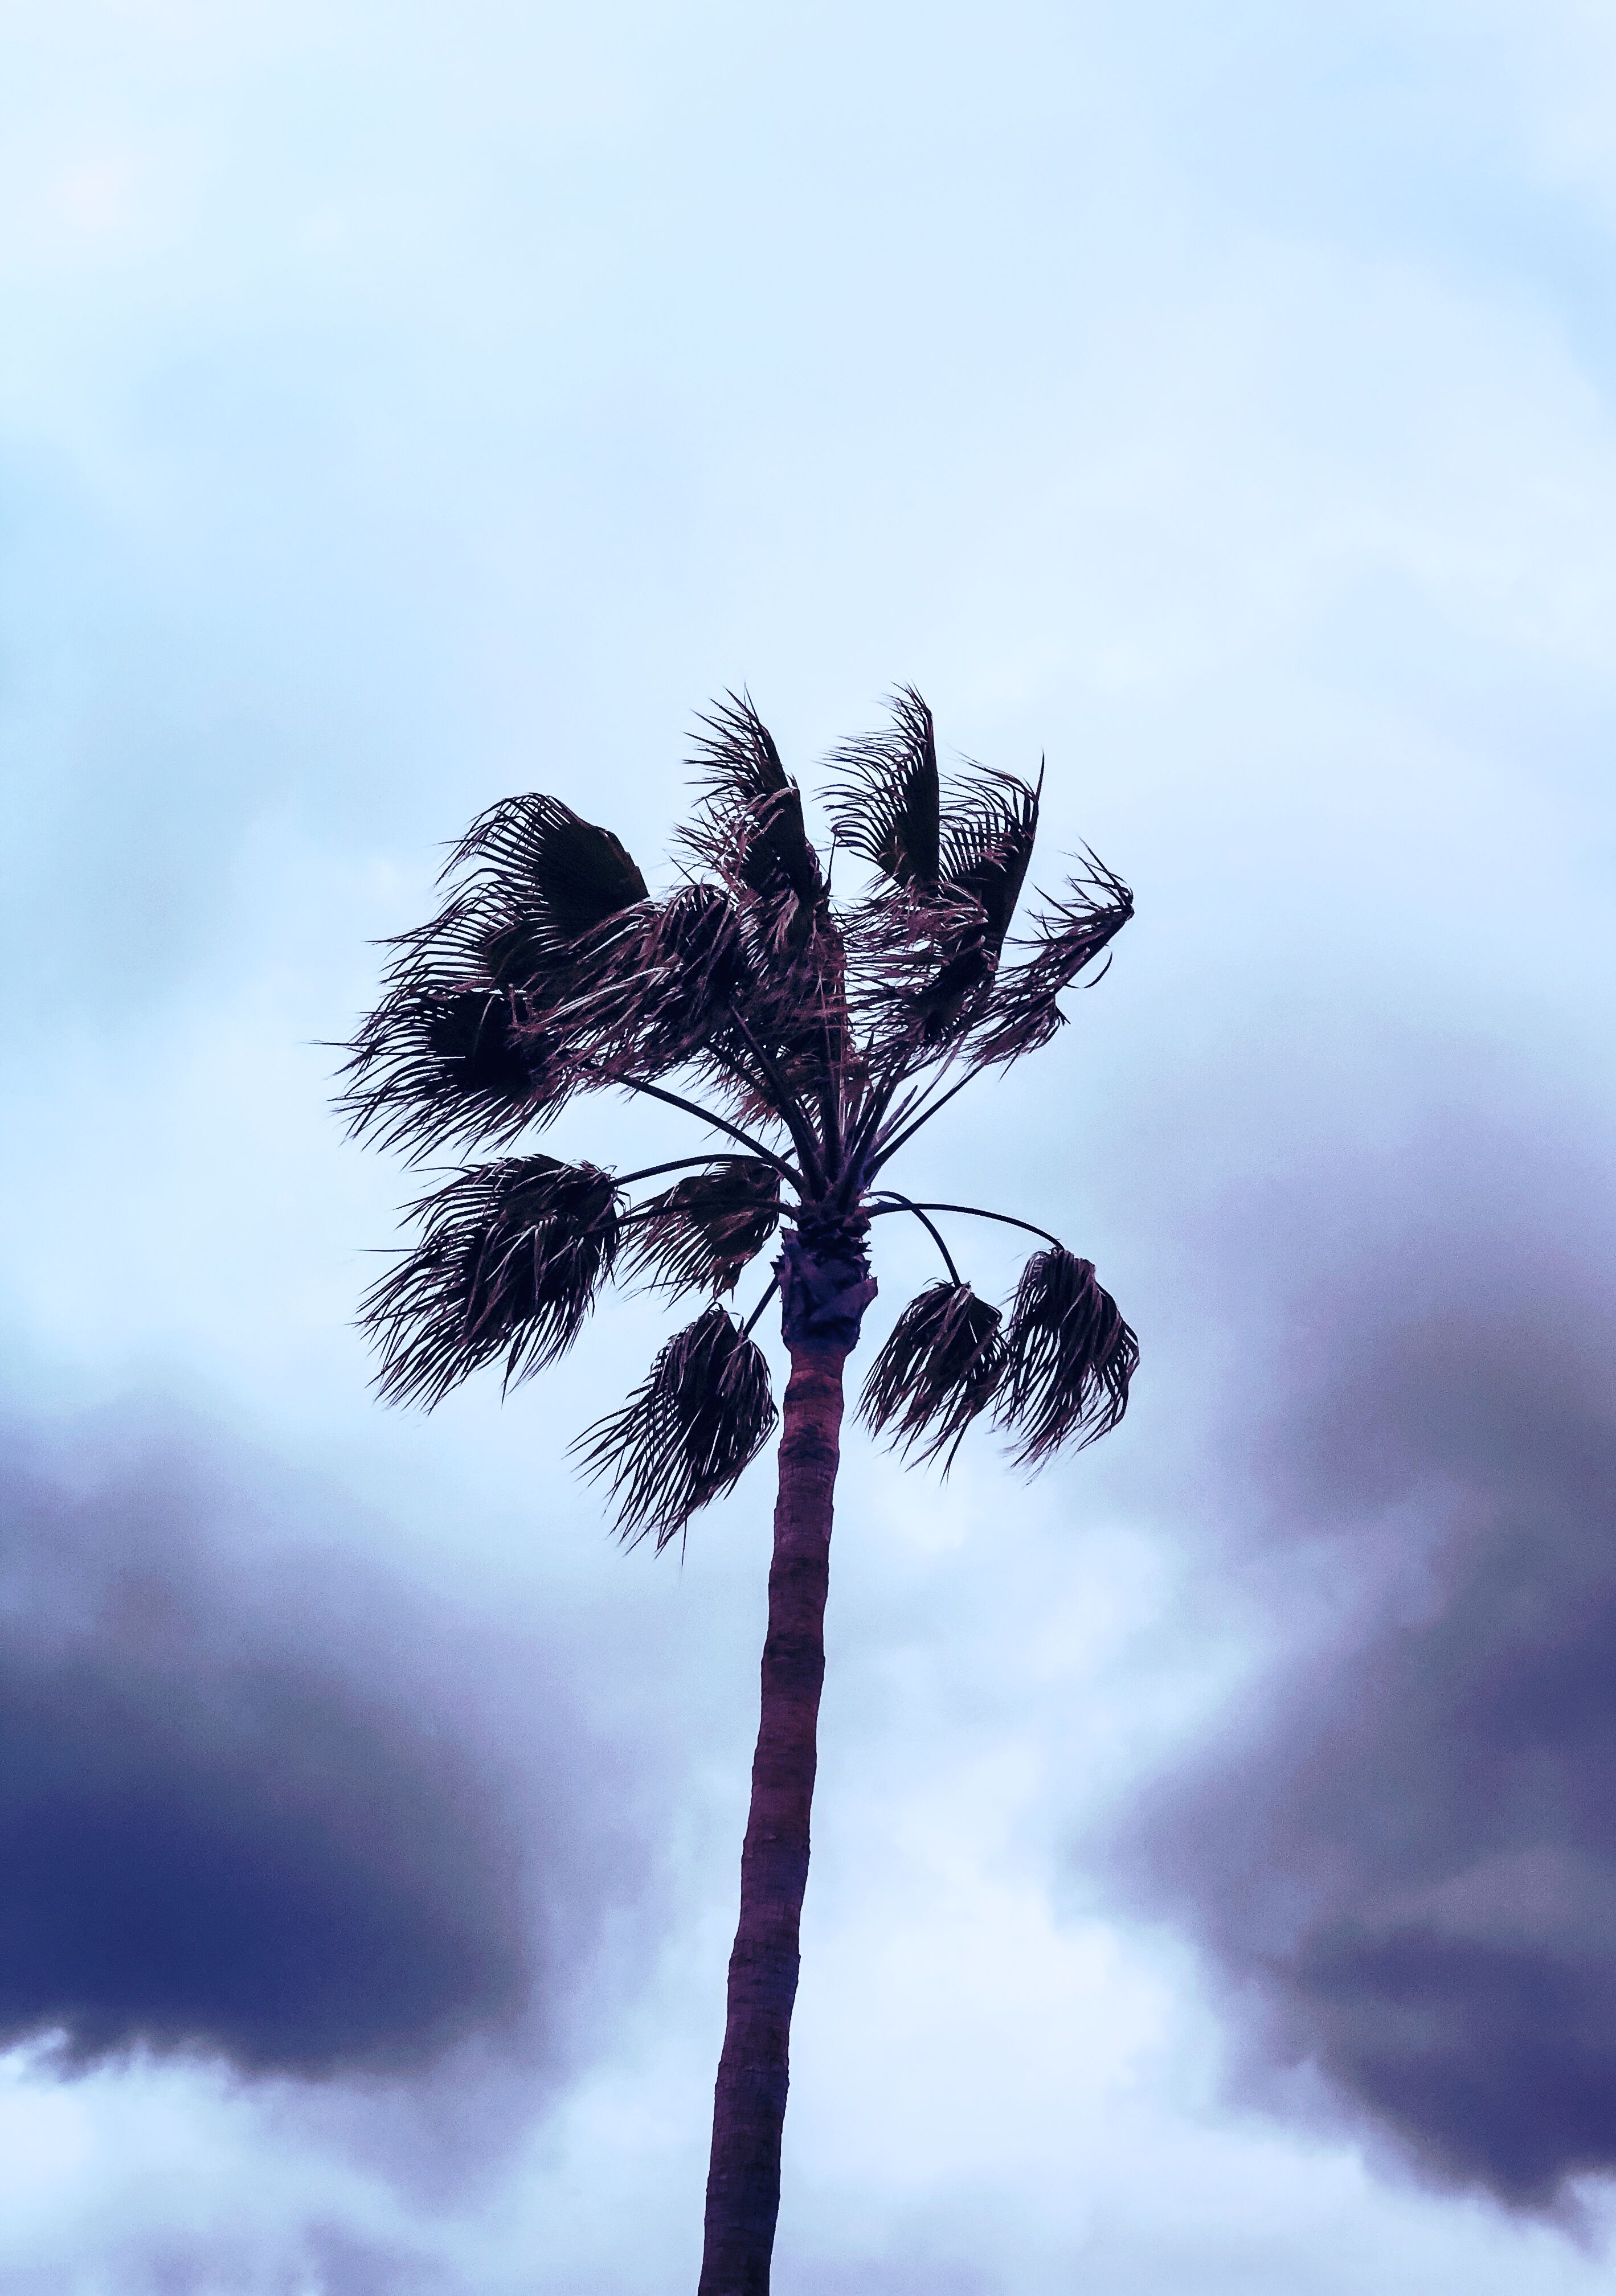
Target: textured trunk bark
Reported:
[(749, 2103)]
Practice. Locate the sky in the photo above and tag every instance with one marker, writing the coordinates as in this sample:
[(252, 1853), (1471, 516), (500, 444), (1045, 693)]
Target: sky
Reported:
[(1215, 1856)]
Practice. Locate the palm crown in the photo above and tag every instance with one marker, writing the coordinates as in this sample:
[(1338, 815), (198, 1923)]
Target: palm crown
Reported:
[(815, 1035)]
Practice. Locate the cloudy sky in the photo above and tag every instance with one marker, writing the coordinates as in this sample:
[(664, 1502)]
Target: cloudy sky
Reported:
[(1215, 1881)]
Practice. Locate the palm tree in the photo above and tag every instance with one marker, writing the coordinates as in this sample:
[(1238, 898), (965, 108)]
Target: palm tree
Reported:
[(814, 1038)]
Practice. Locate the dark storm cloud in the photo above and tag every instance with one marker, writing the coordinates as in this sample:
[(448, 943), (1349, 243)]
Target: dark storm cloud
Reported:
[(238, 1812), (1402, 1859)]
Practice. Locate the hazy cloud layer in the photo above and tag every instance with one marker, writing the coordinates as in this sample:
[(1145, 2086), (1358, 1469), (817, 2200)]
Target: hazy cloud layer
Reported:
[(331, 2261), (1404, 1858)]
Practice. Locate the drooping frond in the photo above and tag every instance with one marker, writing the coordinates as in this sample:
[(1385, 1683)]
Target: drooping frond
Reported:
[(688, 1432), (1067, 936), (888, 805), (942, 1365), (511, 1257), (698, 1236), (1070, 1359)]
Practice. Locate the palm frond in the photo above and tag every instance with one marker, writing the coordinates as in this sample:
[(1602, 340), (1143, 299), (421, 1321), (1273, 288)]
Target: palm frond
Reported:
[(1070, 1359), (925, 959), (688, 1432), (435, 1064), (509, 1259), (988, 841), (1066, 937), (776, 860), (699, 1234), (736, 761), (655, 983), (775, 1031), (534, 883), (464, 1044), (680, 984), (942, 1365), (888, 806), (748, 827), (535, 863)]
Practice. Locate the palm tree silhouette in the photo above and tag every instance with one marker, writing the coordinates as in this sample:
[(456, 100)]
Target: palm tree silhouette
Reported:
[(814, 1038)]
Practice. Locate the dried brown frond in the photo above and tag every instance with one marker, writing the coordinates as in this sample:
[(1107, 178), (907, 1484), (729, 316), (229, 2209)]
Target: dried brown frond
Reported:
[(688, 1432), (942, 1365), (511, 1257), (698, 1236), (1070, 1359)]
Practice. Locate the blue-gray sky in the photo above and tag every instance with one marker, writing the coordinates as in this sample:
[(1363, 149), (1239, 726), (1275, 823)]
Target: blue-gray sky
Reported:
[(1214, 1884)]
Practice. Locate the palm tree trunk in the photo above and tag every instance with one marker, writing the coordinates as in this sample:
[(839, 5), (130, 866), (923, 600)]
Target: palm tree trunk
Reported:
[(749, 2103)]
